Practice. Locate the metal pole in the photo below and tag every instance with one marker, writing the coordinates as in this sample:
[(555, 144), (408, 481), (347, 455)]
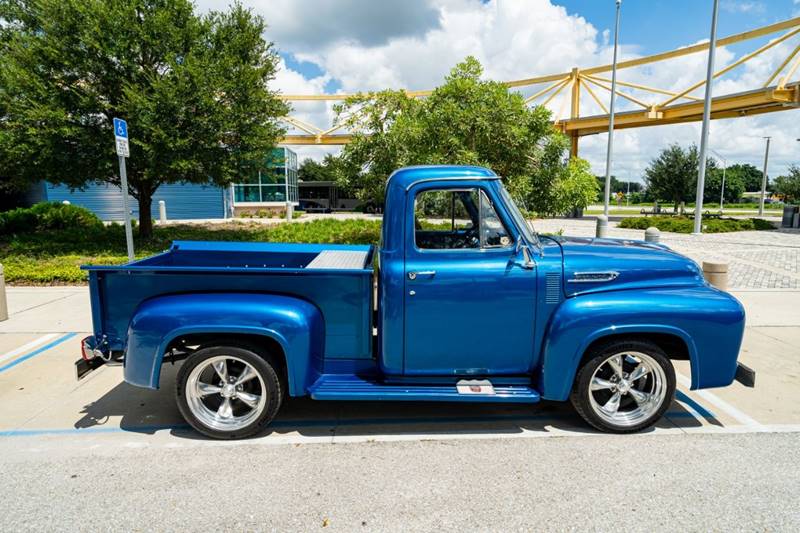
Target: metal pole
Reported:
[(610, 149), (123, 176), (764, 180), (701, 170)]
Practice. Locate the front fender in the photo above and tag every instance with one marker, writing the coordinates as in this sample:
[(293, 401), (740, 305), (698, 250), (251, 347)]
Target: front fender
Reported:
[(296, 325), (710, 322)]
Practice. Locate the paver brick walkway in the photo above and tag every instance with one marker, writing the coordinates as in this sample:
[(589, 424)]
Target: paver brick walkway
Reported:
[(756, 259)]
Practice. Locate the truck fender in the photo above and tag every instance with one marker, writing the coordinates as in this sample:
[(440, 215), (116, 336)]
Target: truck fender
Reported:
[(708, 321), (295, 324)]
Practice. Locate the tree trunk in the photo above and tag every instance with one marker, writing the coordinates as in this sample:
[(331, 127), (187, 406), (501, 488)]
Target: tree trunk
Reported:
[(145, 217)]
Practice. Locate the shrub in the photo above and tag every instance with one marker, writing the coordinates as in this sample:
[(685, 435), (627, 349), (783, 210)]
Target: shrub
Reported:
[(47, 216), (686, 224)]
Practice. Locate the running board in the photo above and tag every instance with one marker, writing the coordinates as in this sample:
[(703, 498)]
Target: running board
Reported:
[(346, 387)]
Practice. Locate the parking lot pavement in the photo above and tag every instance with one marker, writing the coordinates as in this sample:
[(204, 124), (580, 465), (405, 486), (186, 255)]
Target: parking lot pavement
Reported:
[(99, 452), (45, 407)]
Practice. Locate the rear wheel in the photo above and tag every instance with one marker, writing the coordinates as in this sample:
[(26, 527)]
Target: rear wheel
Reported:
[(227, 392), (624, 387)]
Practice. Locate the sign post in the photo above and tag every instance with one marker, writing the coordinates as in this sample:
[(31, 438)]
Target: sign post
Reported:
[(123, 151)]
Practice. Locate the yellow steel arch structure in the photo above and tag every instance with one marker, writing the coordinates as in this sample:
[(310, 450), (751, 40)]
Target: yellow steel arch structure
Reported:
[(653, 106)]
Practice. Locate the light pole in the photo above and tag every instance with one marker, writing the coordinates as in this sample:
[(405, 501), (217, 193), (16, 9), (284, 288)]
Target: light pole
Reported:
[(701, 170), (610, 149), (724, 168), (764, 180)]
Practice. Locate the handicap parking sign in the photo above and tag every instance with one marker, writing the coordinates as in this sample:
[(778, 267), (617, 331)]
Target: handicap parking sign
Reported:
[(120, 128)]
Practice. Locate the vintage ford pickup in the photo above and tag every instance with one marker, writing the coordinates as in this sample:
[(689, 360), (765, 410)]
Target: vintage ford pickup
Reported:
[(478, 308)]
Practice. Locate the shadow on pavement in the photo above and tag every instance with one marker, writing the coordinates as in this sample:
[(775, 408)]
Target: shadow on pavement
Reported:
[(147, 411)]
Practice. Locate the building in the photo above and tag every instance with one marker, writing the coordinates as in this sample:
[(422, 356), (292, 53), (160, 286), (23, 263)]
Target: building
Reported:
[(325, 197), (273, 185), (275, 181)]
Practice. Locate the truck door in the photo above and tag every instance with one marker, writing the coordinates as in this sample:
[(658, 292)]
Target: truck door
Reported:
[(469, 304)]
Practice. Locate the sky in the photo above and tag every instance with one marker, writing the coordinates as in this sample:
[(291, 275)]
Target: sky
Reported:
[(330, 46)]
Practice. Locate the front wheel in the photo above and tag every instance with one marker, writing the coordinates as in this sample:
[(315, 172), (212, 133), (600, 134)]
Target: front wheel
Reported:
[(624, 387), (227, 392)]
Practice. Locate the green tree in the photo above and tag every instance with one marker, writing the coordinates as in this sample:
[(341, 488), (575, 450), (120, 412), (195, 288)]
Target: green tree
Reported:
[(734, 185), (749, 175), (324, 170), (789, 185), (672, 176), (466, 120), (192, 88)]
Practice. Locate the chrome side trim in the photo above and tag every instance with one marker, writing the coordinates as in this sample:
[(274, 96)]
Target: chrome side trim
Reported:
[(593, 277)]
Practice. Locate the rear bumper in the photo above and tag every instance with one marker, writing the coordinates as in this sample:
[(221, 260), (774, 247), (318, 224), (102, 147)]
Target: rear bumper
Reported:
[(745, 375), (91, 357)]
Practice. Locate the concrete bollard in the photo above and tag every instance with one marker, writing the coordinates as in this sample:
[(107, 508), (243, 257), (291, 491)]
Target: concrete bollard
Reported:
[(162, 212), (716, 274), (3, 300), (652, 234), (289, 210), (602, 227)]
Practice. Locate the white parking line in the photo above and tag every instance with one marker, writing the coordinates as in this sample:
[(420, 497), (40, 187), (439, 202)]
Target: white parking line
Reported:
[(25, 347), (722, 405)]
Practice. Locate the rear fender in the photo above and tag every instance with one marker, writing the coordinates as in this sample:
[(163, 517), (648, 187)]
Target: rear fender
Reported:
[(295, 324)]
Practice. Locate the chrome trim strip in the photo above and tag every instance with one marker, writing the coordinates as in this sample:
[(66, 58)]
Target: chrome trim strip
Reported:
[(594, 277)]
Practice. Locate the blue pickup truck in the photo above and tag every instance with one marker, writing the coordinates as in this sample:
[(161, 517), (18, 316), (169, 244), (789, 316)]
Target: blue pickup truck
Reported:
[(461, 302)]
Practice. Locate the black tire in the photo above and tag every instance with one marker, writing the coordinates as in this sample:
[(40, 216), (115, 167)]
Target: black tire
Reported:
[(273, 390), (580, 396)]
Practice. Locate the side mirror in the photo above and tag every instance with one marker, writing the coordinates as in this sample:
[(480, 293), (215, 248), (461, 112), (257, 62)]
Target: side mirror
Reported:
[(522, 246)]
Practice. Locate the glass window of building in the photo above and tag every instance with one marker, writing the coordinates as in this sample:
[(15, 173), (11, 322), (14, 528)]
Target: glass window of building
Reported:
[(274, 181)]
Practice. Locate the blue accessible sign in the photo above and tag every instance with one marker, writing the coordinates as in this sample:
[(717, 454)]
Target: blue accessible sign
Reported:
[(120, 128), (121, 137)]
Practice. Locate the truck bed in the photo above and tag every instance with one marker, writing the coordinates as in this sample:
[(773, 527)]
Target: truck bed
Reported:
[(336, 278)]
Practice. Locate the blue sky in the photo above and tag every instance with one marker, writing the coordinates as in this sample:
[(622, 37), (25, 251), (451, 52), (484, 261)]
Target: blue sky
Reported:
[(650, 26), (347, 46), (657, 26)]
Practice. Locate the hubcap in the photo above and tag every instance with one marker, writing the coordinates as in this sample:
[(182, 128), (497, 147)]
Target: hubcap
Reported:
[(627, 388), (225, 393)]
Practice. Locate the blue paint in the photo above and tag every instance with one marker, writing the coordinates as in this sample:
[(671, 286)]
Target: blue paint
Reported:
[(702, 411), (36, 352), (443, 313), (296, 325)]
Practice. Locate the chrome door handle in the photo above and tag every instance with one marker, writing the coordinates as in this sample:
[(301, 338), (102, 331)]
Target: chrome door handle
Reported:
[(413, 275)]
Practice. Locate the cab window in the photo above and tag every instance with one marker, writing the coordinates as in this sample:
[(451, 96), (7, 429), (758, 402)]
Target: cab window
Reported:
[(451, 219)]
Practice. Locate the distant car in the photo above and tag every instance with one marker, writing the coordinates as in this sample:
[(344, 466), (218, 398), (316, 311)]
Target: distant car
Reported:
[(309, 206)]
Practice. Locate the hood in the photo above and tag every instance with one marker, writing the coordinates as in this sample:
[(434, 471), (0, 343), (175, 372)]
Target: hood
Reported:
[(594, 265)]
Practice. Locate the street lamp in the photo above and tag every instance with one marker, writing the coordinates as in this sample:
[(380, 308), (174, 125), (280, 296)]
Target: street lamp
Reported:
[(764, 179), (701, 169), (607, 193), (724, 168)]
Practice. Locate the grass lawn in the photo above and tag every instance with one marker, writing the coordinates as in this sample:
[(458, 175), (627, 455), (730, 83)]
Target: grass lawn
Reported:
[(54, 256)]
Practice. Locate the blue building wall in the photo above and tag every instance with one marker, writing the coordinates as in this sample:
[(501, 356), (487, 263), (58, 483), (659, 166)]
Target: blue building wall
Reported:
[(184, 201)]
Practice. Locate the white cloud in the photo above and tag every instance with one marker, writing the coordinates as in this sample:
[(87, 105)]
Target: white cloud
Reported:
[(733, 6), (513, 39)]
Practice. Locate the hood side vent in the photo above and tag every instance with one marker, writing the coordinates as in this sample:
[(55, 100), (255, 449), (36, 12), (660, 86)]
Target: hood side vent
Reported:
[(553, 288)]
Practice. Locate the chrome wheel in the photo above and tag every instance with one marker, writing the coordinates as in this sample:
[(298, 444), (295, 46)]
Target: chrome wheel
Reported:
[(627, 388), (225, 393)]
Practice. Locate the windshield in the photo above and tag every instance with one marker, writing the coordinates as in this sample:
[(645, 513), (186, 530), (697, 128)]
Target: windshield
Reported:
[(527, 231)]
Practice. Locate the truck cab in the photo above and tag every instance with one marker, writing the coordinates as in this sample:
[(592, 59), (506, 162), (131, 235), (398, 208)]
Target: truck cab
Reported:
[(463, 302)]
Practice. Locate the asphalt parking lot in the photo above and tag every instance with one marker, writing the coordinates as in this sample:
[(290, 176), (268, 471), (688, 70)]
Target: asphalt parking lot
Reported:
[(102, 454)]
